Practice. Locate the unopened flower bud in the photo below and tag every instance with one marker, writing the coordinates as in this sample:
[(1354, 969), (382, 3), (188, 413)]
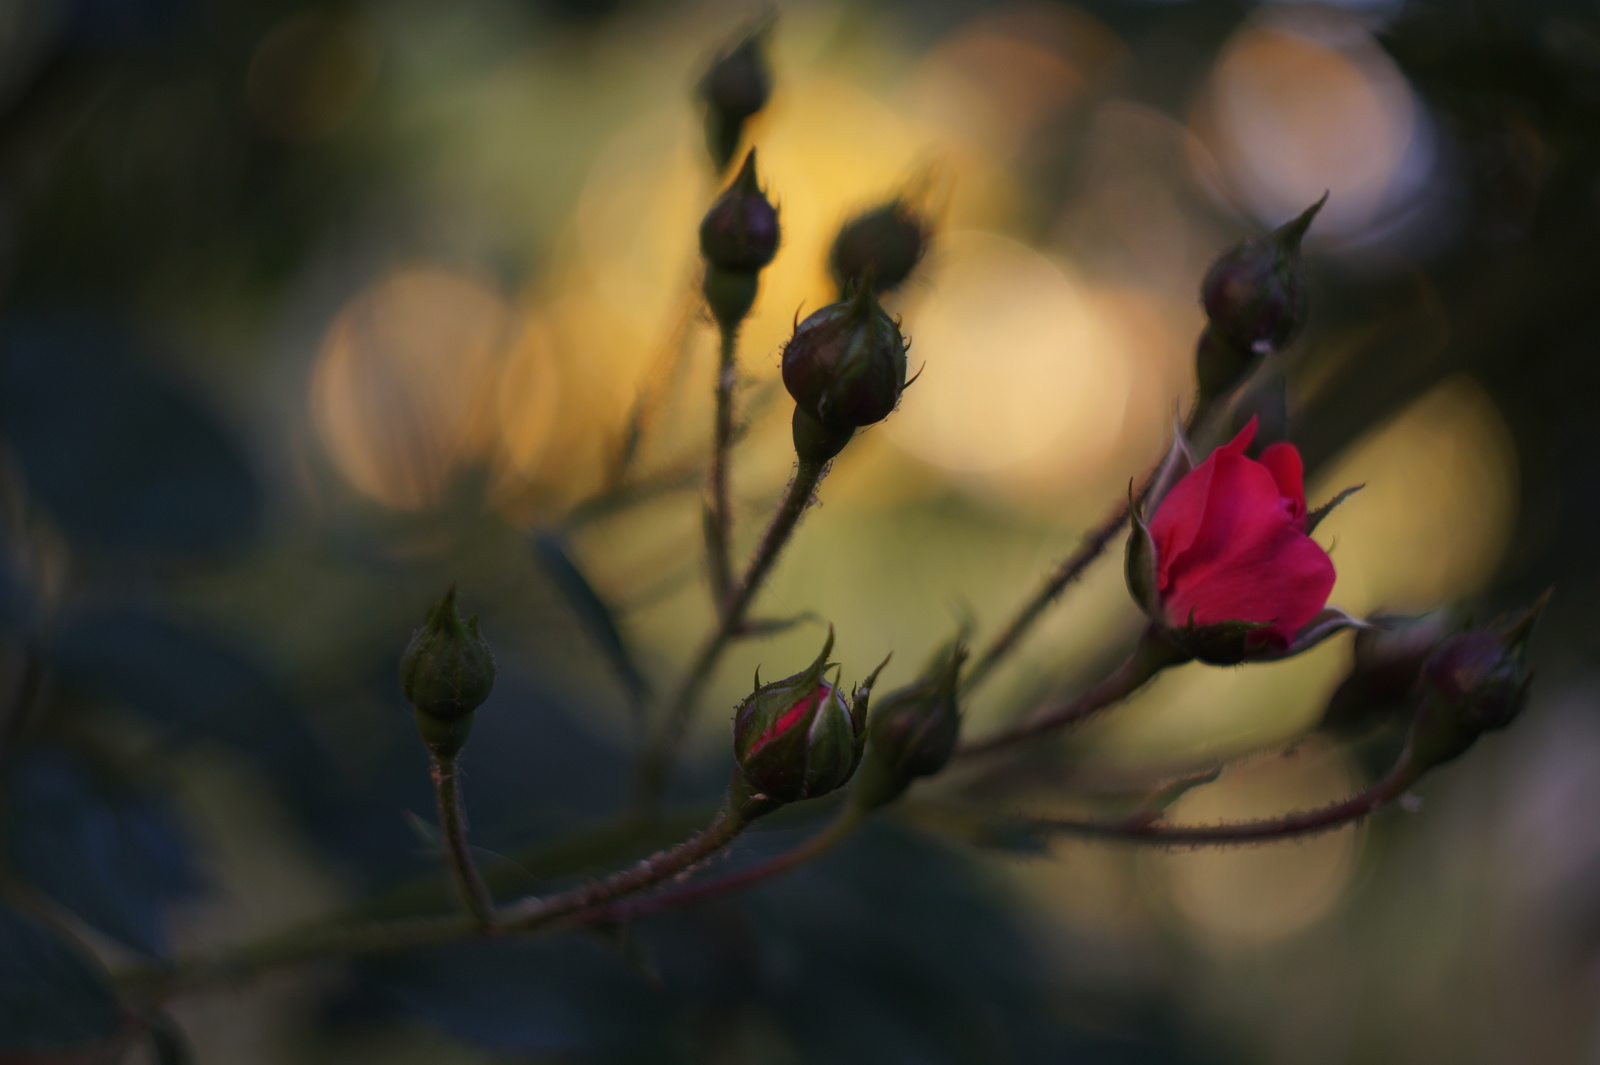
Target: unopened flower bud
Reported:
[(1256, 297), (913, 731), (446, 671), (1473, 683), (1386, 665), (740, 231), (846, 364), (798, 738), (880, 247), (737, 85), (738, 236)]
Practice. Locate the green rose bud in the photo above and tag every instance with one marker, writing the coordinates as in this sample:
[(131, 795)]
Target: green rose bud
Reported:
[(446, 672)]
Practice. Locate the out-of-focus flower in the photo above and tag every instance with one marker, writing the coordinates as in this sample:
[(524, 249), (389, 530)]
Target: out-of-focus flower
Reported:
[(1225, 566)]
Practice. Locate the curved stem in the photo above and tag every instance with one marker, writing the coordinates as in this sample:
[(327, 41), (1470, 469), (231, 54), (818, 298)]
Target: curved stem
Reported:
[(719, 520), (1144, 828), (453, 820), (715, 887), (1070, 569), (364, 938), (656, 764), (1149, 657)]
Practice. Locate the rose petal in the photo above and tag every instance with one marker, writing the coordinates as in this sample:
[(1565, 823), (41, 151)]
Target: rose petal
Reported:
[(1283, 582), (1284, 463), (1180, 514)]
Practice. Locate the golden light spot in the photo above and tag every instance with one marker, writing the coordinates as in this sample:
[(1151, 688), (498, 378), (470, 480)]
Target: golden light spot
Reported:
[(1019, 365), (1289, 115), (1437, 510), (400, 384), (1247, 897)]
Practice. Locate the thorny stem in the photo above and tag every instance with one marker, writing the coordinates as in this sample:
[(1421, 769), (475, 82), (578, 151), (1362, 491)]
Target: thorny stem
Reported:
[(1149, 657), (715, 887), (453, 820), (1071, 568), (719, 522), (1147, 829), (525, 917), (656, 764)]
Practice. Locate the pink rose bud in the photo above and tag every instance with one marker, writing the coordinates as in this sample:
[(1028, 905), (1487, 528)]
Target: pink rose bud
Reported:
[(845, 366), (798, 738), (1225, 567)]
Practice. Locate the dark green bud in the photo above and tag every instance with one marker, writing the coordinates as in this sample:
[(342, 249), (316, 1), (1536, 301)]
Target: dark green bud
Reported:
[(1473, 683), (1256, 297), (913, 731), (447, 671), (880, 247), (1386, 666), (846, 364), (798, 738), (736, 86), (740, 231)]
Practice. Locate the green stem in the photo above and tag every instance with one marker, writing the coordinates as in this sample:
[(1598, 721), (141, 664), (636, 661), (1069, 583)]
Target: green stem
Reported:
[(453, 820), (1149, 657), (719, 521), (656, 764)]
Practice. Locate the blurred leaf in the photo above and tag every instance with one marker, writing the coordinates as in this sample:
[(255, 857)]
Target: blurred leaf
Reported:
[(116, 860), (761, 628), (167, 1042), (189, 684), (53, 996), (593, 613), (121, 457), (565, 996)]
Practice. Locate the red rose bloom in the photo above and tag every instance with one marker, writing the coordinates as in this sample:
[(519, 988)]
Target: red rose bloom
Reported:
[(1230, 545)]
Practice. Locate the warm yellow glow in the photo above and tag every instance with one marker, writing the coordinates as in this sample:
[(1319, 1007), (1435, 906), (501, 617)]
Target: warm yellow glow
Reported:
[(1241, 898), (1437, 510), (398, 389), (1017, 362), (1296, 109)]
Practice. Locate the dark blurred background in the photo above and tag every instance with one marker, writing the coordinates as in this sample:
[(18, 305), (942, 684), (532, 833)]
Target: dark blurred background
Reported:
[(307, 310)]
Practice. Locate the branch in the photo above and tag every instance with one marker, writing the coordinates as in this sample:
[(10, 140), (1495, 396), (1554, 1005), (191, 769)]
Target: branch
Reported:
[(656, 764), (1149, 657), (453, 820), (1145, 828), (715, 887), (719, 520)]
